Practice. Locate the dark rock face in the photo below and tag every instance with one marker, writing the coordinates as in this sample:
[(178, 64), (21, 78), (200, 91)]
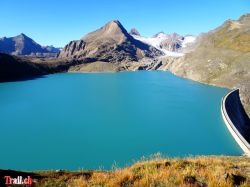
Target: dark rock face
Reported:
[(12, 68), (72, 48), (135, 32), (110, 43), (23, 45)]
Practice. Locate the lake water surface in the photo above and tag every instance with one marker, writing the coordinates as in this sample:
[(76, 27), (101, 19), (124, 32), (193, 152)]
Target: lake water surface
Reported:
[(92, 120)]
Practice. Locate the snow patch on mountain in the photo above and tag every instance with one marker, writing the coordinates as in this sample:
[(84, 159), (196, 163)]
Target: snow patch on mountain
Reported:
[(188, 40), (158, 41)]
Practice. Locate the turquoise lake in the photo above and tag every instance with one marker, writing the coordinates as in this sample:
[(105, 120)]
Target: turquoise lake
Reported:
[(94, 120)]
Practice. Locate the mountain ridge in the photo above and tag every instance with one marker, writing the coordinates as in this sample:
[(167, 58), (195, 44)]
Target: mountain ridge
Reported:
[(173, 44), (110, 43), (22, 45), (219, 57)]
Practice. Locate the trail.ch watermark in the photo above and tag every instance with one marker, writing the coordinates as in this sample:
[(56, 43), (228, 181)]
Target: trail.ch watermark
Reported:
[(19, 180)]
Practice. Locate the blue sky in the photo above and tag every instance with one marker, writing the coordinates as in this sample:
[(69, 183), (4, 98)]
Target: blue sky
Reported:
[(56, 22)]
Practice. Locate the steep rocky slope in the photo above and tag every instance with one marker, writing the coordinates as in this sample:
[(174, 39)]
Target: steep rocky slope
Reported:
[(221, 58), (14, 68), (110, 43)]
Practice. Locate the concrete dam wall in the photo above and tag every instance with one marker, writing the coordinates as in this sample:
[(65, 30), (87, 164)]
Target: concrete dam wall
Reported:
[(236, 120)]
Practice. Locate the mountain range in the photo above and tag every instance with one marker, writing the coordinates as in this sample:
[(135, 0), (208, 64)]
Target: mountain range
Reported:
[(22, 45), (220, 57), (110, 43), (170, 44)]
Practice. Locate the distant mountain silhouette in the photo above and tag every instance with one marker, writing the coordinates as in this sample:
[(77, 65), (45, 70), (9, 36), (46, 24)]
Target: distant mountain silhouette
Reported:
[(23, 45)]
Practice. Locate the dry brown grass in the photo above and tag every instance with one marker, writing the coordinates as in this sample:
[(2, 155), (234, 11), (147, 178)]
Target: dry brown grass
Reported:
[(201, 171)]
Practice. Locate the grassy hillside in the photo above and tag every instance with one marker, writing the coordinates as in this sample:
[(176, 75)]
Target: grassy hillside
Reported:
[(233, 35), (212, 171), (221, 57)]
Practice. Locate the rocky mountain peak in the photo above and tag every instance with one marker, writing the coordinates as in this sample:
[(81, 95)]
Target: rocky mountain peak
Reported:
[(112, 30), (160, 35), (22, 38), (134, 32), (112, 26), (110, 43), (22, 35), (114, 23), (176, 36), (245, 18)]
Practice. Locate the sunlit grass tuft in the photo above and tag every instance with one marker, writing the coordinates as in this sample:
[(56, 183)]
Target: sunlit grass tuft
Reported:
[(199, 172)]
